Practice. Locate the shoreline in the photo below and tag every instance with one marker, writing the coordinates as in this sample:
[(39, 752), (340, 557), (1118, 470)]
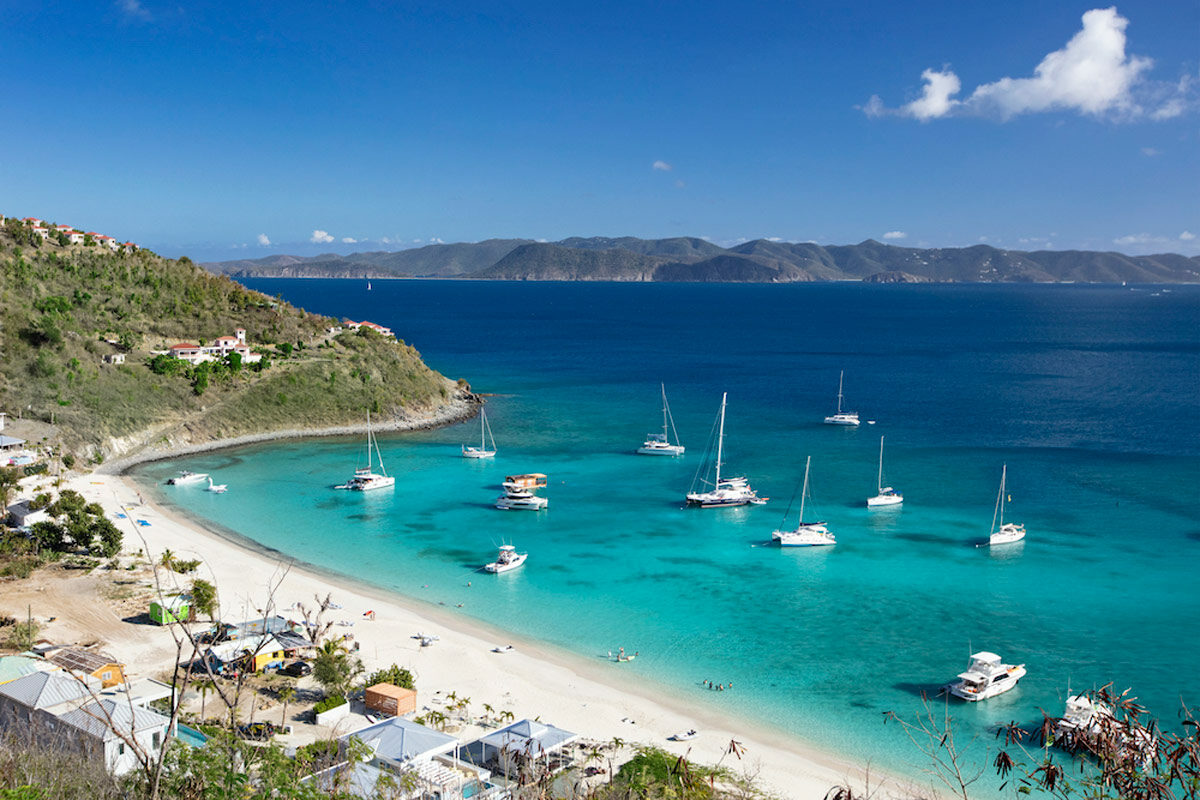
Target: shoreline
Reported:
[(537, 680)]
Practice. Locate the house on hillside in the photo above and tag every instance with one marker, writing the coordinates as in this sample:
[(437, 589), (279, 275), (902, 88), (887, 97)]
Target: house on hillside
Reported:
[(20, 515), (223, 346), (33, 221), (129, 247), (105, 668), (380, 329), (75, 237), (42, 232)]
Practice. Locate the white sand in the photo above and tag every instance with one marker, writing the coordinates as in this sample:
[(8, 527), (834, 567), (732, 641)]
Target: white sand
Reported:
[(530, 682)]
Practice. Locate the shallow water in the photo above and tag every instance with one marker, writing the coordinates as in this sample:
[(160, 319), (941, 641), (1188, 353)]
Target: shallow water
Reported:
[(1090, 395)]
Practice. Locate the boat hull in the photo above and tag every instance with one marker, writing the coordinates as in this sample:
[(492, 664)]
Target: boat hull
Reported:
[(522, 504), (843, 419), (668, 450), (475, 452), (885, 501), (1009, 533), (497, 568)]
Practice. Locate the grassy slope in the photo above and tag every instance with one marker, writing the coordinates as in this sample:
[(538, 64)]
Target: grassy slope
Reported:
[(51, 352)]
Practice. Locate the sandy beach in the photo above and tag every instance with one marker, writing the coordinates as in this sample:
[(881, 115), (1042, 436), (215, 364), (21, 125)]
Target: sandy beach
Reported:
[(531, 681)]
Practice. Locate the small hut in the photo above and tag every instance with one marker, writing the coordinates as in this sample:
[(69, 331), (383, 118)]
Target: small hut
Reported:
[(174, 608), (387, 698)]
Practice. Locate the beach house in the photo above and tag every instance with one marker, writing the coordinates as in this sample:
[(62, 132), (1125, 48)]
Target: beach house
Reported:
[(171, 609), (105, 668), (526, 745), (427, 758), (387, 698)]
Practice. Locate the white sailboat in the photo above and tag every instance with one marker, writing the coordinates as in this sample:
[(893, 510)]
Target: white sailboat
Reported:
[(1008, 532), (485, 433), (659, 444), (365, 478), (726, 491), (842, 417), (807, 534), (887, 496)]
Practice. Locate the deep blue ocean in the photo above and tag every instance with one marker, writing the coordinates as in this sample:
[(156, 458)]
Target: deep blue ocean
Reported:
[(1090, 395)]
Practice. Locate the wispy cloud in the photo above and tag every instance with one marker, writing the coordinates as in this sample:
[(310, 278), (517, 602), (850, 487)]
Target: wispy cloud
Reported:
[(264, 240), (1187, 236), (662, 166), (320, 237), (133, 9), (349, 240), (1091, 75), (1141, 238), (895, 235), (1151, 151)]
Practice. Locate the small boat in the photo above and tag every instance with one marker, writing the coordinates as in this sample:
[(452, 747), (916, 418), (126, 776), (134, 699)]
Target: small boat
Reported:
[(725, 492), (887, 496), (521, 500), (807, 534), (507, 559), (217, 488), (986, 677), (1092, 726), (485, 433), (621, 657), (186, 477), (504, 648), (1008, 532), (365, 478), (842, 417), (659, 444), (683, 736)]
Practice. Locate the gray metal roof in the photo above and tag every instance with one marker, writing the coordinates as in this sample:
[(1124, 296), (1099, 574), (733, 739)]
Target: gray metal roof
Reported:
[(103, 718), (399, 739), (45, 689), (530, 737), (10, 441)]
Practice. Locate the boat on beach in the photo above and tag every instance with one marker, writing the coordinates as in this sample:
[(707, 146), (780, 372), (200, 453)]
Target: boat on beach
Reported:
[(725, 492), (842, 417), (485, 433), (659, 444), (986, 677), (887, 497), (807, 534), (507, 559), (365, 478), (1007, 532), (186, 477)]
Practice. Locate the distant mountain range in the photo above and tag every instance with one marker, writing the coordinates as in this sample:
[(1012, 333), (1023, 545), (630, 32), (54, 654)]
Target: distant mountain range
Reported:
[(690, 259)]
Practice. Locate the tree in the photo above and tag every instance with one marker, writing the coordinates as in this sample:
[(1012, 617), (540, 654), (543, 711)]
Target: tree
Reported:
[(204, 598), (109, 535), (395, 675), (49, 536), (335, 668), (10, 481), (285, 694)]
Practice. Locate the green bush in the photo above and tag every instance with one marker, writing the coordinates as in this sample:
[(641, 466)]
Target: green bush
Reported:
[(333, 701), (395, 675)]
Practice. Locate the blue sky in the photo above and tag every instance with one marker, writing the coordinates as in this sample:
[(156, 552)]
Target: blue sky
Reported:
[(222, 130)]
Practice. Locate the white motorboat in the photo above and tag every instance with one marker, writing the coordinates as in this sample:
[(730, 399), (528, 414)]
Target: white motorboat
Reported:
[(521, 500), (842, 417), (659, 444), (986, 677), (186, 477), (217, 488), (365, 478), (1007, 532), (507, 559), (887, 496), (807, 534), (725, 492), (1092, 726), (485, 433)]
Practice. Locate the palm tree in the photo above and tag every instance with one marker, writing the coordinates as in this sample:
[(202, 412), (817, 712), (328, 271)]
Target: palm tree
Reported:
[(507, 715), (487, 711), (204, 685), (285, 693), (167, 558)]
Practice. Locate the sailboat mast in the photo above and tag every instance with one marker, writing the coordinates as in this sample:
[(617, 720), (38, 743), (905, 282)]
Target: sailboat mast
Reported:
[(804, 492), (369, 440), (998, 513), (881, 465), (841, 376), (721, 435), (663, 386)]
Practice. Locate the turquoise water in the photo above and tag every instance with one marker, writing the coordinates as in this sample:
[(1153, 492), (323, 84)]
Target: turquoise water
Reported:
[(1090, 395)]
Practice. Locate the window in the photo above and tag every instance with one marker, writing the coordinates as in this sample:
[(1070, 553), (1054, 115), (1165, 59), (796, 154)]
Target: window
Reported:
[(120, 748), (106, 676), (156, 740)]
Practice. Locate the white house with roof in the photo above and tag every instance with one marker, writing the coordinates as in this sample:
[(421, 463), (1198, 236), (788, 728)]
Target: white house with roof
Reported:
[(403, 747), (33, 221), (70, 712), (223, 346), (42, 232), (380, 329)]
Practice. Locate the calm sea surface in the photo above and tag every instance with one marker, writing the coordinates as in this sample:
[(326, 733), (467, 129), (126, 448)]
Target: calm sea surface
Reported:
[(1090, 394)]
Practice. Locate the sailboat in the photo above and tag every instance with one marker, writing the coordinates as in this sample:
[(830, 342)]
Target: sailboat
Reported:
[(365, 479), (485, 433), (887, 497), (842, 417), (725, 491), (1008, 532), (807, 534), (658, 444)]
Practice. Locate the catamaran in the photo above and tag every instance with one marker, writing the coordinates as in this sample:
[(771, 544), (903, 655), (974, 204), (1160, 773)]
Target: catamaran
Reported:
[(658, 444), (986, 677), (726, 491), (508, 558), (807, 534), (887, 496), (842, 417), (1008, 532), (365, 478), (485, 433)]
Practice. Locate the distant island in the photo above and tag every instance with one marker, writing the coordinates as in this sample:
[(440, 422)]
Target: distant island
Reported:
[(689, 259)]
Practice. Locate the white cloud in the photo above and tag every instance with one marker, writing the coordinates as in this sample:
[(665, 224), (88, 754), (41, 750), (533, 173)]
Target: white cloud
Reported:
[(1187, 236), (774, 238), (320, 237), (1092, 74), (662, 166), (1151, 151), (417, 241), (349, 240), (1140, 238), (264, 240), (435, 240), (895, 235), (133, 9)]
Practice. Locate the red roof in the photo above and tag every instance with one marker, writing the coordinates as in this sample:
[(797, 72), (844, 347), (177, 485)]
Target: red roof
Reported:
[(185, 346)]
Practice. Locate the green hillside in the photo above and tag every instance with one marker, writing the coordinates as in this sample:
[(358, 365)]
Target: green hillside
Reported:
[(65, 308)]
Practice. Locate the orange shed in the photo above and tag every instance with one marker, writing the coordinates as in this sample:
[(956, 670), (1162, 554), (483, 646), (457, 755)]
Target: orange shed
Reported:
[(386, 698)]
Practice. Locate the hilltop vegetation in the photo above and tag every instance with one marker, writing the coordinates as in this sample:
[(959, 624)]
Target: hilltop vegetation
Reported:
[(760, 261), (64, 308)]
